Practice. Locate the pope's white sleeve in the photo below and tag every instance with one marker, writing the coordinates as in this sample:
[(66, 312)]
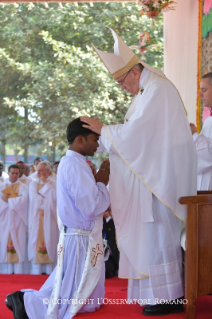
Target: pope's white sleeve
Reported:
[(107, 133), (101, 148)]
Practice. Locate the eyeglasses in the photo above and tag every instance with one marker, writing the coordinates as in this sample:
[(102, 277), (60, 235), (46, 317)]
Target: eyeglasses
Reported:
[(122, 82)]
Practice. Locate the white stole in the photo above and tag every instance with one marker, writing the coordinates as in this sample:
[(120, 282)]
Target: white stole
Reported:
[(91, 272)]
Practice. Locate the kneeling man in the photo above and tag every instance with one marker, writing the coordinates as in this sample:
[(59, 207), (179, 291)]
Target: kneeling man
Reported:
[(79, 275)]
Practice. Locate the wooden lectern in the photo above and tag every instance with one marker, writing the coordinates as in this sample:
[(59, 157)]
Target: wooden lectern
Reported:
[(198, 260)]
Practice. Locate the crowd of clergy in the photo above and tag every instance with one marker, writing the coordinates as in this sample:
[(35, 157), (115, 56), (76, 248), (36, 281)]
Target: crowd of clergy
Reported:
[(28, 218), (28, 211)]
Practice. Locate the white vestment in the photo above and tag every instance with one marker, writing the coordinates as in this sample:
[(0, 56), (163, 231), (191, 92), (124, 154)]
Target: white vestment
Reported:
[(44, 199), (34, 176), (153, 163), (53, 176), (13, 222), (25, 180), (203, 143), (81, 202), (3, 177)]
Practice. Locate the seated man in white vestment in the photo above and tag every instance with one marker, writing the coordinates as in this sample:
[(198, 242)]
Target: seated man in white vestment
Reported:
[(22, 177), (3, 175), (78, 279), (203, 141), (13, 224), (43, 229), (153, 163)]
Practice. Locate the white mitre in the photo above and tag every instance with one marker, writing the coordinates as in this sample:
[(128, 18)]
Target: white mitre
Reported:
[(122, 60)]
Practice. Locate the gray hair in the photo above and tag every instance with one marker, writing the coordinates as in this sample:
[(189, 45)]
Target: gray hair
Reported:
[(138, 67), (208, 76), (46, 164)]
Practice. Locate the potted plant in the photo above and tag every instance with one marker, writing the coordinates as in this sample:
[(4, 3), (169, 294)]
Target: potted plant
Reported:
[(152, 8)]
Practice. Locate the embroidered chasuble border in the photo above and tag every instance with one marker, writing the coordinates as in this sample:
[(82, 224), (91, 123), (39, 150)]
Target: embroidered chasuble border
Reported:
[(12, 256), (12, 253), (140, 278), (42, 256), (139, 176), (156, 286)]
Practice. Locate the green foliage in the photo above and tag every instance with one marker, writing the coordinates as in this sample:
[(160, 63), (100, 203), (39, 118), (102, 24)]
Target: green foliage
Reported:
[(206, 24), (48, 67)]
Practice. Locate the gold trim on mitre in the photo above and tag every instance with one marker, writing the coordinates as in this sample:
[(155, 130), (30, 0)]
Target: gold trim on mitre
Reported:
[(126, 68)]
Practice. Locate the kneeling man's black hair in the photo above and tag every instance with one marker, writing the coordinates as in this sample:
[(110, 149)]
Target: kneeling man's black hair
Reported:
[(75, 128)]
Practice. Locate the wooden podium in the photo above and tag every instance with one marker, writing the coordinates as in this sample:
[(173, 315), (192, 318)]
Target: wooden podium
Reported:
[(198, 260)]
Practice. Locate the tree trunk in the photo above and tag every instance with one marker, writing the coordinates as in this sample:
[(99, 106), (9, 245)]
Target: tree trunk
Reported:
[(26, 146), (3, 138), (15, 153), (53, 154)]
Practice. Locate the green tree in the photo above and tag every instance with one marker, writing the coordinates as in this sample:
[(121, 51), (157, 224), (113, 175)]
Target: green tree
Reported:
[(50, 70)]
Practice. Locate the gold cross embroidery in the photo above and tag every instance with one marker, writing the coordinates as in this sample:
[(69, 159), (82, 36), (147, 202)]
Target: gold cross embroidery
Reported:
[(59, 253), (96, 252)]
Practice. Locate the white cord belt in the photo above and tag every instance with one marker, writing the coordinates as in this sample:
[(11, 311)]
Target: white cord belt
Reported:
[(78, 232)]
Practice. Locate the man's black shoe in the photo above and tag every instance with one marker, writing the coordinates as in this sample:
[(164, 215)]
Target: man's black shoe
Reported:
[(8, 305), (15, 302), (172, 306)]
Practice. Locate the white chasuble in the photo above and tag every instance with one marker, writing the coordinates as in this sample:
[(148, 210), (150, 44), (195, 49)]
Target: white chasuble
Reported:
[(43, 229), (13, 223), (151, 153), (25, 180), (12, 256)]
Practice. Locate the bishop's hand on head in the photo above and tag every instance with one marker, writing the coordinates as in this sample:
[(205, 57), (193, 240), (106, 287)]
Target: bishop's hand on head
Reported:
[(104, 172), (92, 124)]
